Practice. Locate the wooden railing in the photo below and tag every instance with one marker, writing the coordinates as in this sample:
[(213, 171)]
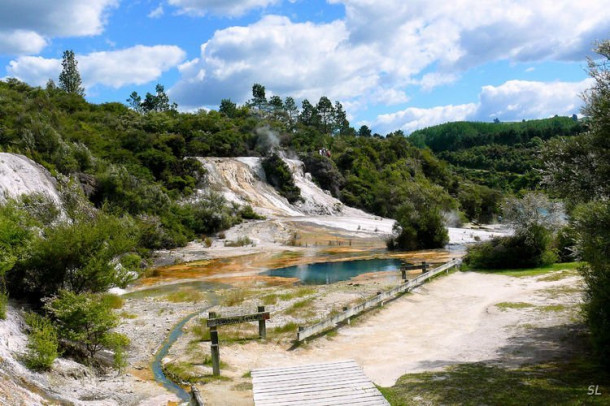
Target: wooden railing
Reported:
[(379, 299)]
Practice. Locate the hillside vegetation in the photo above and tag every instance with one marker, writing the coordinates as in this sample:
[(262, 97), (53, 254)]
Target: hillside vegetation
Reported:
[(499, 155)]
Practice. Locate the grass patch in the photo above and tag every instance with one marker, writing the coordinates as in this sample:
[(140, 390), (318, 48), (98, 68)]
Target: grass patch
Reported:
[(513, 305), (528, 271), (188, 373), (127, 315), (186, 295), (476, 384), (556, 276), (299, 307), (201, 330), (244, 386), (553, 308), (235, 297), (286, 328), (270, 299), (240, 242), (113, 301), (247, 375)]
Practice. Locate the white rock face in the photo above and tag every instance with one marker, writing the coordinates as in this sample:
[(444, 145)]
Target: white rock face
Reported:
[(20, 175), (242, 180)]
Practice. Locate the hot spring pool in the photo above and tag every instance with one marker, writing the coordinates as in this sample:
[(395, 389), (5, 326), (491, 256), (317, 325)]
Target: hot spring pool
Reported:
[(331, 272)]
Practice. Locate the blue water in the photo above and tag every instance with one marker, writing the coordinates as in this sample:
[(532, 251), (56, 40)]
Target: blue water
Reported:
[(174, 334), (330, 272)]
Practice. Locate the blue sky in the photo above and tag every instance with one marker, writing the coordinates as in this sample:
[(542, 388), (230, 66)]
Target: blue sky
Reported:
[(394, 64)]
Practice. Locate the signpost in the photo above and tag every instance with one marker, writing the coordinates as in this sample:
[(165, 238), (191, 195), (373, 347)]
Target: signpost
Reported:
[(213, 322)]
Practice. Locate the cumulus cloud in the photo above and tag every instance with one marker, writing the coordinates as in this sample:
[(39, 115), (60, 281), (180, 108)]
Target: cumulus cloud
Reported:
[(41, 20), (304, 60), (514, 100), (136, 65), (413, 118), (21, 42), (520, 99), (232, 8), (380, 48)]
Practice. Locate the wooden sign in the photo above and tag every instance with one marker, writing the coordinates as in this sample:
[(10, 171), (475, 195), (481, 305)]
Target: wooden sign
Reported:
[(223, 321)]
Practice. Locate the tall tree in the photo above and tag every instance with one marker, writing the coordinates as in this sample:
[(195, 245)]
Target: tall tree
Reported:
[(259, 100), (135, 101), (326, 113), (69, 78), (227, 107), (291, 109), (578, 169), (309, 114)]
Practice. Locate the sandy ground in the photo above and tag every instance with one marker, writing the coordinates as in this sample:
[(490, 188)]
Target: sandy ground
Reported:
[(451, 320)]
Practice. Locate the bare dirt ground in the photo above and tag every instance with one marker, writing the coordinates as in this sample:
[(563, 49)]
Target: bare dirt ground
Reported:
[(464, 317)]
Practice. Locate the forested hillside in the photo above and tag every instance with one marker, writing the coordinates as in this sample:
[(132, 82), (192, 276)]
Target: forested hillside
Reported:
[(136, 160), (500, 155)]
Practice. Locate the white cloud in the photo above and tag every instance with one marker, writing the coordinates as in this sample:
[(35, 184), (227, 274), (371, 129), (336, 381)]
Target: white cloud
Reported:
[(413, 118), (131, 66), (520, 99), (380, 48), (157, 12), (41, 20), (21, 41), (514, 100), (232, 8), (431, 80), (304, 60)]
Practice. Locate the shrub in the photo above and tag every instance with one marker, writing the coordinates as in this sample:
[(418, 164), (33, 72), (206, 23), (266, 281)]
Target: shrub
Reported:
[(279, 176), (42, 347), (77, 256), (418, 229), (3, 305), (518, 251), (87, 319)]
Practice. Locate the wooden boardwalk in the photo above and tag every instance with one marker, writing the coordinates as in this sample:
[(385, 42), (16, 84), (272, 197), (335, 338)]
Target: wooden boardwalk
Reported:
[(329, 384)]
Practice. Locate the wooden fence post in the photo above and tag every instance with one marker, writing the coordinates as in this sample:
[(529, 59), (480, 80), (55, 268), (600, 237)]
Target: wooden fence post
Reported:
[(424, 267), (214, 347), (262, 327), (403, 271)]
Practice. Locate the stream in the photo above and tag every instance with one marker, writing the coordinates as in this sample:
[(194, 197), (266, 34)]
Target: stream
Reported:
[(175, 334)]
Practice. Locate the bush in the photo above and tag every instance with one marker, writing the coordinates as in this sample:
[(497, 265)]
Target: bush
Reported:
[(77, 256), (42, 347), (592, 222), (3, 305), (518, 251), (279, 176), (87, 319), (418, 229)]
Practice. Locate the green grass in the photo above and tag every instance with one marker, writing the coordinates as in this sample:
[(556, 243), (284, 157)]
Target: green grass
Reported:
[(286, 328), (298, 307), (186, 373), (187, 295), (513, 305), (127, 315), (528, 271), (553, 308), (480, 384)]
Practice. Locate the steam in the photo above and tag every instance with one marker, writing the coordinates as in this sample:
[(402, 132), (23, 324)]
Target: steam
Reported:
[(268, 140)]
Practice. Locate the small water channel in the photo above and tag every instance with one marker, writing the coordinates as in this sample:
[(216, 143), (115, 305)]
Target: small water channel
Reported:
[(174, 335), (324, 273)]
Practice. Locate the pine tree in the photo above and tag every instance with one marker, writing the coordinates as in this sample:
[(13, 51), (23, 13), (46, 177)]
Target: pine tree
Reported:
[(69, 78)]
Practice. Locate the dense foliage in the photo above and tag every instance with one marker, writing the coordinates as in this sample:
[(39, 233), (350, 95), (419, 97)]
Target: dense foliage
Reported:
[(278, 174), (499, 155), (43, 344), (535, 220), (578, 169), (87, 321)]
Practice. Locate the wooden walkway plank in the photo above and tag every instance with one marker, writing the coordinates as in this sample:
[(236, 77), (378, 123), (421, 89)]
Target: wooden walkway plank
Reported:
[(326, 384)]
